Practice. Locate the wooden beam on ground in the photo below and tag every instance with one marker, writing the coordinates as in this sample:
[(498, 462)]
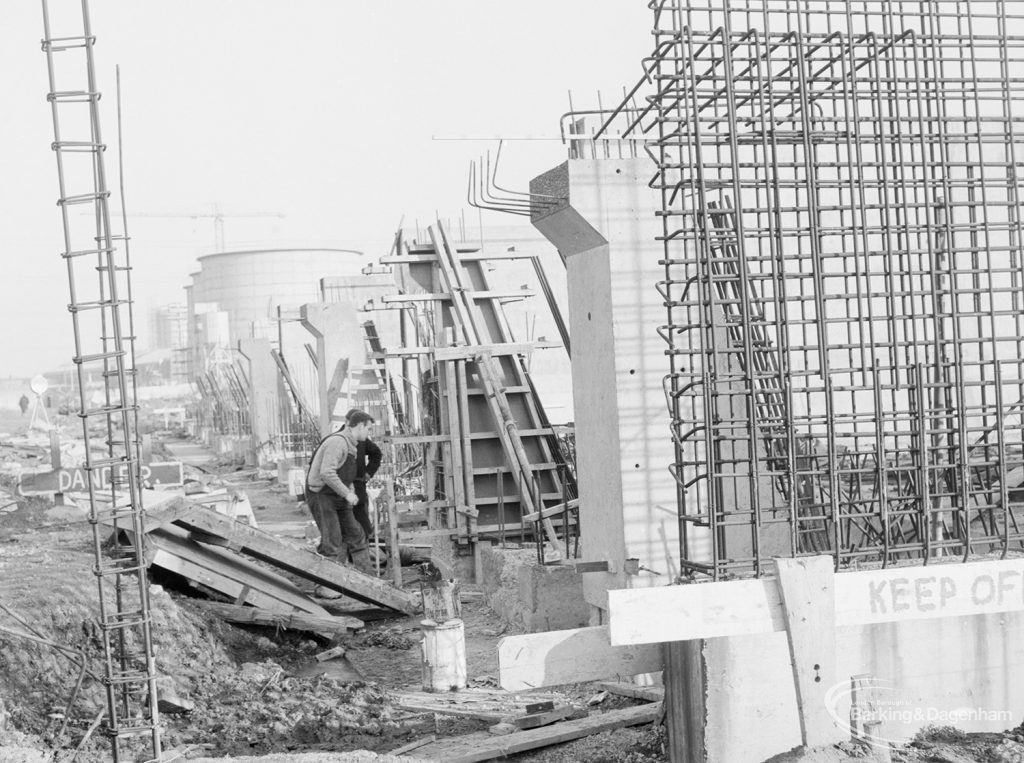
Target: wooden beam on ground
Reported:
[(161, 515), (547, 717), (485, 746), (631, 690), (807, 586), (299, 621), (553, 658), (491, 705), (281, 597), (301, 561)]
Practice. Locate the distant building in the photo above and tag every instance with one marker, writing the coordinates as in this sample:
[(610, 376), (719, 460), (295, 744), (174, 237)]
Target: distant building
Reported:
[(168, 327)]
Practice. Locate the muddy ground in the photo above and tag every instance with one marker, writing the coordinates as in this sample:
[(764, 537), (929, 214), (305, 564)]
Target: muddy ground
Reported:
[(249, 690), (254, 691)]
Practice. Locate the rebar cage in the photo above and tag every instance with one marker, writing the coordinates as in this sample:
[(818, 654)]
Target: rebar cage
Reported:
[(841, 211)]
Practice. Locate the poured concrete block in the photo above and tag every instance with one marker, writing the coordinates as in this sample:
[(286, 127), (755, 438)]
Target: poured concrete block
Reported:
[(552, 598), (525, 593)]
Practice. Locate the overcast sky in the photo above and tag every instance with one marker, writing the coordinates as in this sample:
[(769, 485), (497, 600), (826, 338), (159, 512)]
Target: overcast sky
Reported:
[(329, 112)]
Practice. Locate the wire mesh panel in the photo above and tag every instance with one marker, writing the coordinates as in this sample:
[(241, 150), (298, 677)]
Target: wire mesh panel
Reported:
[(841, 207)]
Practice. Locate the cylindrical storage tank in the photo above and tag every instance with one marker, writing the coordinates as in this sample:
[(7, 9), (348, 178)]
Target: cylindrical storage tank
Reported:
[(444, 655), (250, 285)]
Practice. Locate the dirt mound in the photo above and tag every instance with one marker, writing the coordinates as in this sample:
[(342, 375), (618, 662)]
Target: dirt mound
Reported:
[(256, 707)]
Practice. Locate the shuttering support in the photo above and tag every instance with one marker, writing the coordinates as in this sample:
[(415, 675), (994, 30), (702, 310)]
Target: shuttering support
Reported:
[(99, 280), (492, 460)]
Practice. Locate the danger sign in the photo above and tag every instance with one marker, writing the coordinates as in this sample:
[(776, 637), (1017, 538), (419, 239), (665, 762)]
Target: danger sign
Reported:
[(162, 473)]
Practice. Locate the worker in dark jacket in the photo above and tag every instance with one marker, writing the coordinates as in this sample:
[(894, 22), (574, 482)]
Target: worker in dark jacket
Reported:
[(368, 458)]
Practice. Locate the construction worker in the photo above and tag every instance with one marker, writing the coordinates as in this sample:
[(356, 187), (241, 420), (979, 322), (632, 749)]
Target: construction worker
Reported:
[(331, 479), (368, 460), (23, 404)]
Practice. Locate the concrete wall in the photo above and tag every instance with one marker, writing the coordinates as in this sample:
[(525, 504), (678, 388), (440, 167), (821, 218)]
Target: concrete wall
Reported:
[(607, 231), (923, 668)]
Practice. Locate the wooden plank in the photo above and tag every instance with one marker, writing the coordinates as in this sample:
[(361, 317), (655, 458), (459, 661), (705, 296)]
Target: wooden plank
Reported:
[(430, 258), (468, 352), (485, 746), (300, 561), (398, 751), (631, 690), (393, 299), (394, 546), (552, 511), (807, 586), (491, 705), (216, 581), (462, 390), (160, 515), (228, 565), (427, 535), (491, 716), (329, 624), (685, 706), (552, 658), (546, 718), (579, 565), (548, 466), (737, 607), (456, 430), (541, 432), (698, 610), (330, 654)]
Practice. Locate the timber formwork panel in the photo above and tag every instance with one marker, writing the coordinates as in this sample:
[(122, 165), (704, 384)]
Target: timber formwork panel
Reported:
[(492, 487)]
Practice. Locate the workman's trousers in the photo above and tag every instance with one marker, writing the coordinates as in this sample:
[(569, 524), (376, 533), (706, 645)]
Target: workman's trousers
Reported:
[(362, 509), (340, 533)]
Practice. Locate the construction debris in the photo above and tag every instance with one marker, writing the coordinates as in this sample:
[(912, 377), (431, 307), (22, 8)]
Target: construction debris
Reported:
[(486, 746), (328, 626)]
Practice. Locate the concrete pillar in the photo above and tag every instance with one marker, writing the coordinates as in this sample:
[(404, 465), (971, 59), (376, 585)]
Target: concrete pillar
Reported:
[(264, 400), (607, 229), (341, 353)]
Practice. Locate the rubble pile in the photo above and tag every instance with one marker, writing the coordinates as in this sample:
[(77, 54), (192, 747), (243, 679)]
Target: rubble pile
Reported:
[(218, 700), (260, 709)]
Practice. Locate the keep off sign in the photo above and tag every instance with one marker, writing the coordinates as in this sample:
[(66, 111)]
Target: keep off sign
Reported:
[(76, 480), (738, 607)]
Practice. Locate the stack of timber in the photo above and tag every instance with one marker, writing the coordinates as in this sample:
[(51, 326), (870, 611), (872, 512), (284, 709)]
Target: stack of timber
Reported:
[(492, 457), (233, 559), (484, 745)]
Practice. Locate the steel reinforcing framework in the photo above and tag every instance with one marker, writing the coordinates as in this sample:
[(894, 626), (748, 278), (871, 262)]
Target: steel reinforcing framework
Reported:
[(842, 222), (99, 279)]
